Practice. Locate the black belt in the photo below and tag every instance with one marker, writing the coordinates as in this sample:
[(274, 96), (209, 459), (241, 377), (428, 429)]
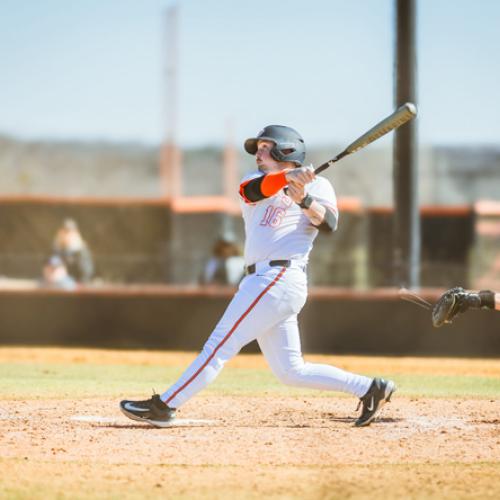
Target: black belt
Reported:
[(282, 263)]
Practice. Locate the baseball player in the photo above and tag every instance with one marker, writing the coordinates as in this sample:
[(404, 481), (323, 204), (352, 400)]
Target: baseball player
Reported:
[(457, 300), (284, 205)]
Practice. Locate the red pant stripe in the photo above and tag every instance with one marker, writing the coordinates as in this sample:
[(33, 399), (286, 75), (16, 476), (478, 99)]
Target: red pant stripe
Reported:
[(223, 341)]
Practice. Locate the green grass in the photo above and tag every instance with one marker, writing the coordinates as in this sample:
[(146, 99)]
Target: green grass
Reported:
[(31, 381)]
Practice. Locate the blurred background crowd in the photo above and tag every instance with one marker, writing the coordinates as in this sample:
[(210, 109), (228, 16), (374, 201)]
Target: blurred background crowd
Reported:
[(122, 124)]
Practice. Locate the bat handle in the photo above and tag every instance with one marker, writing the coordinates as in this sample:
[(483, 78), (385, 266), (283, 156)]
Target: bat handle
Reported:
[(329, 163), (322, 167)]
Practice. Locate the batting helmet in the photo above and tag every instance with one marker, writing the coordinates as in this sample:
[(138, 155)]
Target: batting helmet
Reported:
[(288, 144)]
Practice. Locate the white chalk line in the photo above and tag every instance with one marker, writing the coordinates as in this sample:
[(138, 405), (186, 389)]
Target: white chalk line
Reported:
[(178, 422), (4, 415), (415, 425)]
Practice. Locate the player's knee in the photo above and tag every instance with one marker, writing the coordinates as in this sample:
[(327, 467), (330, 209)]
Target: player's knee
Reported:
[(292, 376)]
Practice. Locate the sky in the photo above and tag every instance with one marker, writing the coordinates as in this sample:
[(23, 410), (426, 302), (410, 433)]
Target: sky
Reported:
[(95, 69)]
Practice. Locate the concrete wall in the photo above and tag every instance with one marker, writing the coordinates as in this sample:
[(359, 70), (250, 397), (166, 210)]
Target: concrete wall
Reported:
[(333, 321)]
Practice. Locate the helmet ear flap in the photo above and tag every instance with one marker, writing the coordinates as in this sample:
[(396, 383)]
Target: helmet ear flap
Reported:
[(275, 153), (292, 151), (281, 154)]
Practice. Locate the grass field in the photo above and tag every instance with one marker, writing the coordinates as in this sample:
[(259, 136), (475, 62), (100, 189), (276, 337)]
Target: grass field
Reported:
[(439, 438)]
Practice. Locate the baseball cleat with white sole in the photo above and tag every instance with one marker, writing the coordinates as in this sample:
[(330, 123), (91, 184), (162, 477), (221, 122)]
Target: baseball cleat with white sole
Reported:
[(378, 394), (152, 411)]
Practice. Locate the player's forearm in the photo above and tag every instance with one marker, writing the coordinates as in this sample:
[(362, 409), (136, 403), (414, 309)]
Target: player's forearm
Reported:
[(315, 213), (263, 187), (497, 301), (321, 217)]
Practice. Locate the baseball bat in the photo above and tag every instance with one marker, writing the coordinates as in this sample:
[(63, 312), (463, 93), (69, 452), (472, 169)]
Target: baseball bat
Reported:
[(403, 114)]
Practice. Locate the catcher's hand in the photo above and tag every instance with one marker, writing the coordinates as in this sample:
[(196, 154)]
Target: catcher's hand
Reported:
[(453, 302)]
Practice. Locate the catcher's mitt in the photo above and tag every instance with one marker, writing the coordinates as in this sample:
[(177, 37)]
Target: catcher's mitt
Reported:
[(453, 302)]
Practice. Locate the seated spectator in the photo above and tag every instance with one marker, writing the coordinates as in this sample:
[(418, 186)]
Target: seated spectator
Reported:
[(226, 266), (73, 250), (55, 275)]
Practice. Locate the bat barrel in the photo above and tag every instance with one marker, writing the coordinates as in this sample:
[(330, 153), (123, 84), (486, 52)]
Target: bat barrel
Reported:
[(404, 113)]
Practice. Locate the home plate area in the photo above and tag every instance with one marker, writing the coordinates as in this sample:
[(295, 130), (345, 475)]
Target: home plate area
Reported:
[(177, 422)]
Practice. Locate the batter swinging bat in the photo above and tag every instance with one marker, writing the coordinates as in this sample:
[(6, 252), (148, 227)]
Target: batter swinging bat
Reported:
[(403, 114)]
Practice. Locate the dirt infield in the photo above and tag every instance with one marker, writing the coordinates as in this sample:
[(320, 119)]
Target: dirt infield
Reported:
[(255, 431), (228, 446), (257, 444)]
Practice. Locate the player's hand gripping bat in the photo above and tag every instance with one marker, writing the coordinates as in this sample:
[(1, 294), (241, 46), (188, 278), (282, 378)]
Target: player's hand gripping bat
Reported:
[(403, 114)]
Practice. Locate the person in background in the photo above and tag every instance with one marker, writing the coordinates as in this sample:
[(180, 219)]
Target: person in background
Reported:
[(226, 265), (55, 275), (70, 246)]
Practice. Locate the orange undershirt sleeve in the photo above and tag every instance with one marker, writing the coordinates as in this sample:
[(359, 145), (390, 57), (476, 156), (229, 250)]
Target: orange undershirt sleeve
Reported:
[(273, 182)]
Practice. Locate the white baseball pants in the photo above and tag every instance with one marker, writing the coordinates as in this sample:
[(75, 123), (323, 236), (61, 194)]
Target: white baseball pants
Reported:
[(265, 308)]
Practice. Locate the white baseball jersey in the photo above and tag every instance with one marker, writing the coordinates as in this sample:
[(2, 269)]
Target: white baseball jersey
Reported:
[(276, 227), (267, 302)]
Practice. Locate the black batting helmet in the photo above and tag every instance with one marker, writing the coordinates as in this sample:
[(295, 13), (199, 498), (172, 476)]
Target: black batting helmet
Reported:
[(288, 144)]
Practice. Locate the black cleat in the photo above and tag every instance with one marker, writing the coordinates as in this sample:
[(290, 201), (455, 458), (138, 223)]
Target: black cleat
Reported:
[(378, 394), (153, 411)]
